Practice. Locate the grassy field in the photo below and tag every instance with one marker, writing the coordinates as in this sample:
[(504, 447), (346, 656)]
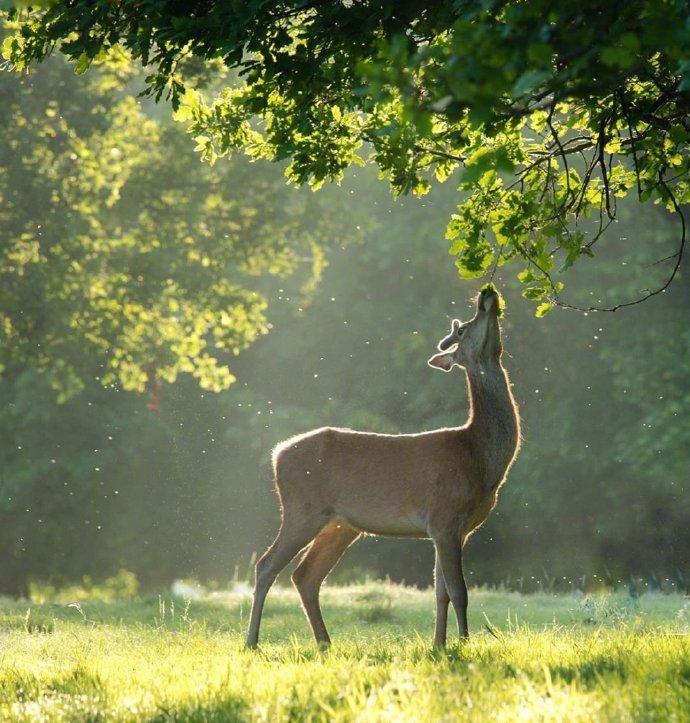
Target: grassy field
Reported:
[(603, 657)]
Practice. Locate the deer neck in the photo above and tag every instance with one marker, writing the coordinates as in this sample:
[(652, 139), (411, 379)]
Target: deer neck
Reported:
[(494, 423)]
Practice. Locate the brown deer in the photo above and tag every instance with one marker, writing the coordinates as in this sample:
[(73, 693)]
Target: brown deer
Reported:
[(335, 485)]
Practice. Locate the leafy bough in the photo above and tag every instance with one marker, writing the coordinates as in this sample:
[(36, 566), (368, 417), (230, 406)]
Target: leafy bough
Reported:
[(548, 113)]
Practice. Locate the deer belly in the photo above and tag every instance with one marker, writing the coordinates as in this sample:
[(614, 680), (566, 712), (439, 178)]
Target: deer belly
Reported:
[(397, 523)]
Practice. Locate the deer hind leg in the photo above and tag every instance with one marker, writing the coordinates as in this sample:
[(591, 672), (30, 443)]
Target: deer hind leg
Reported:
[(449, 553), (442, 601), (319, 559), (295, 534)]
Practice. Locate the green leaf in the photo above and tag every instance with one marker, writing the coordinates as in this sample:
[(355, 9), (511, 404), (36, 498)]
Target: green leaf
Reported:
[(527, 276), (678, 134), (476, 259), (543, 309), (8, 46), (528, 82), (540, 53), (535, 293), (623, 53), (83, 64)]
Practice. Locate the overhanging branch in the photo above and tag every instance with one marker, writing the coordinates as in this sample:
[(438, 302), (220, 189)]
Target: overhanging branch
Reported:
[(650, 293)]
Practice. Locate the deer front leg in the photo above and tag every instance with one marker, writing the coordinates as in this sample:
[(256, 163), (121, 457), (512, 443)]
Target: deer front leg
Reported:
[(442, 600), (449, 553)]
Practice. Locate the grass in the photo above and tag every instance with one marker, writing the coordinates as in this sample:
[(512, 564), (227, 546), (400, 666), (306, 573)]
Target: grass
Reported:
[(606, 657)]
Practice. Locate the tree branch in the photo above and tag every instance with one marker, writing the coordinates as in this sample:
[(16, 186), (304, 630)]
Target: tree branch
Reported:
[(561, 151), (678, 256), (601, 143)]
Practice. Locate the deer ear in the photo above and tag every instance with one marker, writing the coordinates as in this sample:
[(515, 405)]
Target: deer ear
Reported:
[(444, 362)]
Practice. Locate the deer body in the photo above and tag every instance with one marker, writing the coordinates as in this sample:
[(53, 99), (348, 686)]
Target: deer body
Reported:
[(336, 484)]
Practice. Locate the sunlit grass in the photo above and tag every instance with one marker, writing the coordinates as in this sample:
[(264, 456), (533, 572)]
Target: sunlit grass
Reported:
[(606, 657)]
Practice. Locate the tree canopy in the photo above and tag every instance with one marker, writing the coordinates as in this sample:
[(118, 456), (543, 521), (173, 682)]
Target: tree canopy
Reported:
[(123, 257), (546, 113)]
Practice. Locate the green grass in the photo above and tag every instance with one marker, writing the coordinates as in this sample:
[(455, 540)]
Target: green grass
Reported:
[(605, 657)]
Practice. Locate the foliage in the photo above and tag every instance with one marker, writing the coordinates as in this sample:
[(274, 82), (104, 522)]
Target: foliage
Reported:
[(183, 488), (87, 485), (125, 258), (552, 111), (125, 263), (542, 657), (599, 488)]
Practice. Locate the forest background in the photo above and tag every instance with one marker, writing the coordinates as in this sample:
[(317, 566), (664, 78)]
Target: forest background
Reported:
[(334, 302)]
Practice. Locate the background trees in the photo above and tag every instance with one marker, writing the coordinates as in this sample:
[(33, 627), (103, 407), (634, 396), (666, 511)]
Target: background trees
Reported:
[(124, 262), (126, 258), (126, 265), (102, 482)]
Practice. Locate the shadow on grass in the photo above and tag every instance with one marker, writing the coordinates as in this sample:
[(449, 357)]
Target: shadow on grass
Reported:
[(223, 708), (591, 670)]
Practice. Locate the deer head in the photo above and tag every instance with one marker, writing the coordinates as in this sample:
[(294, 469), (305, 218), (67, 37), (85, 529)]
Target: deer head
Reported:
[(475, 341)]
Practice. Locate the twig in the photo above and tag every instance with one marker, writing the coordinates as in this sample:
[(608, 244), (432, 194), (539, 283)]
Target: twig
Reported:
[(561, 150), (678, 256), (601, 159)]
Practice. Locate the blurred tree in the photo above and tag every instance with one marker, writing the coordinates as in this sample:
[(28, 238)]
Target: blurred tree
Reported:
[(123, 257), (554, 110)]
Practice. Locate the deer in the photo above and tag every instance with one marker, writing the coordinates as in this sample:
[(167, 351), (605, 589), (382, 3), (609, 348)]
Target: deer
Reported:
[(336, 485)]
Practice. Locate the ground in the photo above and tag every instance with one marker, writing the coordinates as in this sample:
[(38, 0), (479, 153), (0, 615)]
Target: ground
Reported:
[(605, 656)]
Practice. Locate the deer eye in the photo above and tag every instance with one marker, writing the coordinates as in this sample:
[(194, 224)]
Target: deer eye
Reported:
[(461, 331)]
